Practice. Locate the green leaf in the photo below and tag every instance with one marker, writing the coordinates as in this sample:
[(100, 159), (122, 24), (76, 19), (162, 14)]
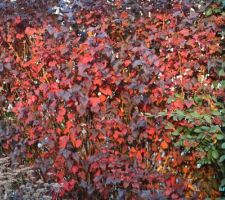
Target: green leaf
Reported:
[(223, 146), (177, 95), (189, 118), (196, 115), (178, 144), (222, 83), (208, 12), (222, 183), (220, 137), (208, 119), (216, 113), (175, 133), (189, 136), (200, 136), (215, 154), (217, 10), (180, 114), (170, 100), (197, 99), (222, 158), (205, 128), (169, 125), (149, 115), (221, 72), (197, 130), (161, 114), (214, 129)]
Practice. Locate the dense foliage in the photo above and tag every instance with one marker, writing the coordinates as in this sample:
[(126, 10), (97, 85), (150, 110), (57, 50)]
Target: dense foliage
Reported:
[(116, 99)]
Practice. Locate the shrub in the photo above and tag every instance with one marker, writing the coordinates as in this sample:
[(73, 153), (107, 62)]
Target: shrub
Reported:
[(115, 99)]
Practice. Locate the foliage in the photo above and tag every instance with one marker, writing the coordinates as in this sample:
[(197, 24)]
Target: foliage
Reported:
[(115, 98), (222, 2)]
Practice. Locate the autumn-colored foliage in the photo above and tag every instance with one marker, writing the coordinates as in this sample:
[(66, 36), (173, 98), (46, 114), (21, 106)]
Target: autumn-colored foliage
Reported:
[(116, 99)]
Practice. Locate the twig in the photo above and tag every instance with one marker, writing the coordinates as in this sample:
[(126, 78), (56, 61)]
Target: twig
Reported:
[(44, 74), (181, 71)]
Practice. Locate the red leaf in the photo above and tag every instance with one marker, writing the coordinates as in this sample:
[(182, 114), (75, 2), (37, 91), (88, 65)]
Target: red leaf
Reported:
[(31, 100), (82, 175), (185, 32), (18, 20), (63, 49), (68, 186), (97, 82), (116, 135), (59, 118), (168, 191), (126, 184), (86, 59), (160, 17), (139, 156), (178, 104), (62, 111), (29, 31), (73, 138), (151, 131), (71, 184), (74, 169), (63, 141), (106, 91), (61, 114), (52, 64), (164, 145), (78, 143), (94, 101), (188, 103), (127, 62), (102, 98), (19, 36)]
